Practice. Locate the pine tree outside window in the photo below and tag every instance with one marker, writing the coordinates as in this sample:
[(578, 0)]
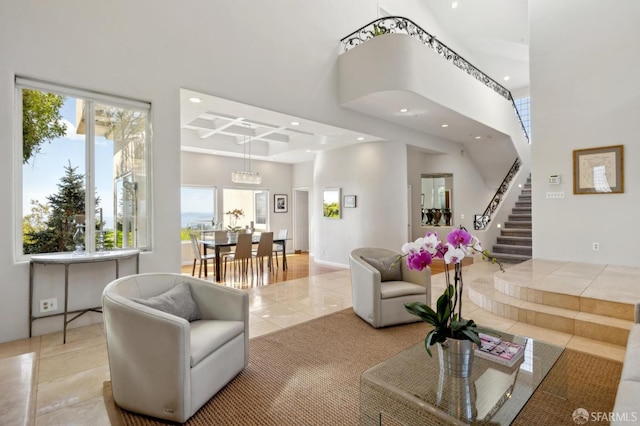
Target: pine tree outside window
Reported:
[(73, 140)]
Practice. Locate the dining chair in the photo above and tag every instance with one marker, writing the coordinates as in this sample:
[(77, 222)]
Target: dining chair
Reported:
[(222, 236), (241, 257), (197, 255), (265, 249), (279, 247)]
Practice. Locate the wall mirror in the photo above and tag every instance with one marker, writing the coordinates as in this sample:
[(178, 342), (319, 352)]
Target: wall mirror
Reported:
[(437, 199), (331, 203)]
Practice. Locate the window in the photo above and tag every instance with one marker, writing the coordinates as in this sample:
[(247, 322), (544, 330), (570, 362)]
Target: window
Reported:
[(198, 208), (252, 202), (72, 140), (523, 107)]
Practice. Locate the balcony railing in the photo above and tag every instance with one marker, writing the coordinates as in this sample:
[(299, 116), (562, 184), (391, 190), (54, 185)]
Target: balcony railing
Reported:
[(400, 25)]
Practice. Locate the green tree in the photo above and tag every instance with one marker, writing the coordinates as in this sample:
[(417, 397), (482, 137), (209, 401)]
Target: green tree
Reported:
[(36, 220), (60, 226), (40, 121)]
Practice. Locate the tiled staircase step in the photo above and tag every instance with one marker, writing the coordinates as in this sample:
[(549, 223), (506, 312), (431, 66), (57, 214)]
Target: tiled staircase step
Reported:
[(513, 286), (597, 327), (499, 249), (518, 224), (516, 232), (520, 217), (523, 204), (515, 241), (524, 199)]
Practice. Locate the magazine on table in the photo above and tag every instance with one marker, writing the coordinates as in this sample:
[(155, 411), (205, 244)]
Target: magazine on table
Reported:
[(498, 350)]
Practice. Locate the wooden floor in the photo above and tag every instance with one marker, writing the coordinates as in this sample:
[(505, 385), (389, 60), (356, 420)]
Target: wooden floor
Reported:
[(299, 266)]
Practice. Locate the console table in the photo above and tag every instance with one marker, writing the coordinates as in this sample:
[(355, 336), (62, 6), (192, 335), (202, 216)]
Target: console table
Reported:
[(68, 259)]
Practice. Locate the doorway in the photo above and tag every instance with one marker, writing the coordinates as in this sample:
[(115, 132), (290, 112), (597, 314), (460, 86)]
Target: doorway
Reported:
[(301, 219)]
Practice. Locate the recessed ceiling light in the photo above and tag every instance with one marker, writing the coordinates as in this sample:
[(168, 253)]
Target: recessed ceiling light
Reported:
[(295, 123), (454, 5), (309, 150), (404, 109), (478, 137), (195, 100), (506, 78), (361, 138), (444, 125)]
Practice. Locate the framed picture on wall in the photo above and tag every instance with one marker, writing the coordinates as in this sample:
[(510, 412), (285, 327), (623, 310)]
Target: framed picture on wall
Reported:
[(598, 170), (331, 203), (349, 201), (280, 203)]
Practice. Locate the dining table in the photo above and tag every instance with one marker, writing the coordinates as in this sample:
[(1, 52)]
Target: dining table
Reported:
[(232, 242)]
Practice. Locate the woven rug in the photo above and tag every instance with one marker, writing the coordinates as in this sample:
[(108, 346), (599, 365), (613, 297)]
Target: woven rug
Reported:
[(309, 375)]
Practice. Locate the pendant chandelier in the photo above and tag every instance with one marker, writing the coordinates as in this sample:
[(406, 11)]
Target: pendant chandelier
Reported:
[(244, 176)]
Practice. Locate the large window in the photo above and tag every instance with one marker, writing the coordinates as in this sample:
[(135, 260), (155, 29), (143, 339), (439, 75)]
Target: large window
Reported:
[(198, 207), (84, 166)]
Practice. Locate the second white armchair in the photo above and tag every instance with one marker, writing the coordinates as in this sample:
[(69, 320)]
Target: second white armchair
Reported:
[(380, 288)]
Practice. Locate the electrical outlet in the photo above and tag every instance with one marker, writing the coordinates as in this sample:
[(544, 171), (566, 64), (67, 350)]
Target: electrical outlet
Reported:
[(559, 194), (596, 246), (47, 305), (461, 217)]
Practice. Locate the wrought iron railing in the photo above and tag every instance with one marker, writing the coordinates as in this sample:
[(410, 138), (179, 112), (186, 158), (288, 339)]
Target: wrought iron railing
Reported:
[(481, 221), (401, 25)]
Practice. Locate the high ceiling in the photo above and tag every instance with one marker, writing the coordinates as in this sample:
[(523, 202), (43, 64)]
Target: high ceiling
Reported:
[(492, 33)]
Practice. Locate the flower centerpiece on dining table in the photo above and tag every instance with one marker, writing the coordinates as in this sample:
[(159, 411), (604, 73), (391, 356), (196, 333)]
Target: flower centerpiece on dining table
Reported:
[(449, 325), (234, 215)]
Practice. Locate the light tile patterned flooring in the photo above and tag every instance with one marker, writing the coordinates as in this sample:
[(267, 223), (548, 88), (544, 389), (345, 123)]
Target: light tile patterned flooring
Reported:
[(68, 378)]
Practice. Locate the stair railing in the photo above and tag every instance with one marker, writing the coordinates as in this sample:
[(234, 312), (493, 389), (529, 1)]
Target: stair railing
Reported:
[(481, 221), (401, 25)]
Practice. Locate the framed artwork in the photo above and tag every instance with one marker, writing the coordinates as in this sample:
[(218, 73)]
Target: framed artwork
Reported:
[(331, 203), (349, 201), (280, 203), (598, 170)]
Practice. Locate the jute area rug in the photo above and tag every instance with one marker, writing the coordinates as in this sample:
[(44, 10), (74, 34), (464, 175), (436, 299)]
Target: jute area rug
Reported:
[(309, 375)]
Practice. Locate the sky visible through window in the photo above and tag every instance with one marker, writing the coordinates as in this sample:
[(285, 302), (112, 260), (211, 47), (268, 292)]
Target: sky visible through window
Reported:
[(42, 174)]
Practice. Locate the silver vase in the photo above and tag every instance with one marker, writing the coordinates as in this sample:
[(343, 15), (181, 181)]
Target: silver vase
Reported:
[(456, 357), (457, 396)]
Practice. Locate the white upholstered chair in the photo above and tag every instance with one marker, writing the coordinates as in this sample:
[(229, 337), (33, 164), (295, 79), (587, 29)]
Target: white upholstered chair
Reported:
[(163, 365), (379, 292)]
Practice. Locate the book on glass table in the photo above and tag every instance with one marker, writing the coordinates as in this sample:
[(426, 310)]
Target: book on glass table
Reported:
[(498, 350)]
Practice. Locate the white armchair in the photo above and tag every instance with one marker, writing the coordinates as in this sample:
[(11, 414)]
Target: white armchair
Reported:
[(163, 365), (380, 292)]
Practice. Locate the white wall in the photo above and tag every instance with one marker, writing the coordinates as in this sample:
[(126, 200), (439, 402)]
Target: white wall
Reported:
[(376, 174), (584, 93), (201, 169), (470, 194)]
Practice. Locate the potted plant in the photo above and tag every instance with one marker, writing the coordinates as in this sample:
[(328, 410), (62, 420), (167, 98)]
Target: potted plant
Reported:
[(233, 227), (454, 335)]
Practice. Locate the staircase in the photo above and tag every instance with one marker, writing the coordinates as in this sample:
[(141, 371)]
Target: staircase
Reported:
[(514, 242)]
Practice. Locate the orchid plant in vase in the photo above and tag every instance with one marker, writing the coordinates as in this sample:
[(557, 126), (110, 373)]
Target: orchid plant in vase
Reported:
[(447, 318), (234, 215)]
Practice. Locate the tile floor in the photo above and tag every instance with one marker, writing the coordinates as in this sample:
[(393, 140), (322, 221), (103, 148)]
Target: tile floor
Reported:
[(68, 378)]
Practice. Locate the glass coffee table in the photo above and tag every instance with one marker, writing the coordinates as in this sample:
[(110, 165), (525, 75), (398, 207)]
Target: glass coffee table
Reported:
[(409, 389)]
